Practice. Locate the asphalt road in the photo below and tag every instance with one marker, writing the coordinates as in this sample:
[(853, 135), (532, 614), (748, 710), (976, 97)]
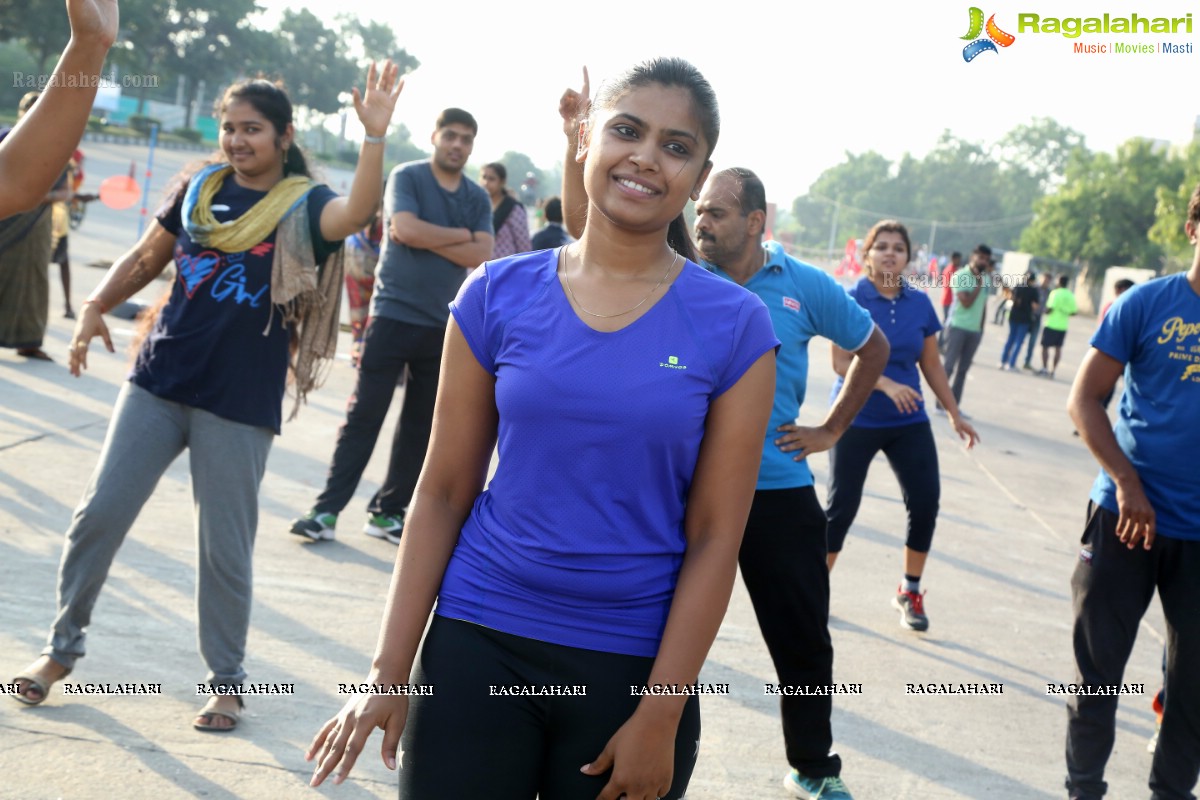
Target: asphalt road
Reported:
[(997, 581)]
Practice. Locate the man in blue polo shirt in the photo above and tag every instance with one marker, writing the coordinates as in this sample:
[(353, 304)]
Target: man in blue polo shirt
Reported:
[(783, 555), (1143, 529)]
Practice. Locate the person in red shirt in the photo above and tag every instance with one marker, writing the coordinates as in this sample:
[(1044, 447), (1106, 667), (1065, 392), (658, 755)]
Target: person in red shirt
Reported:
[(947, 292)]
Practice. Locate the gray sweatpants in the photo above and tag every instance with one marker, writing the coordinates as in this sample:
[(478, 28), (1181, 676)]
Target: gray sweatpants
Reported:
[(961, 345), (227, 461)]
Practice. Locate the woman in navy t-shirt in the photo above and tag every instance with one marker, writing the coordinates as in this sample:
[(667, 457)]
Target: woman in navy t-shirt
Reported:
[(627, 391), (248, 235), (893, 419)]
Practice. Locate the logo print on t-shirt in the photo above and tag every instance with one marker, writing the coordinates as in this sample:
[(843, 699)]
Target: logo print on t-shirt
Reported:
[(672, 362), (195, 270), (792, 303), (1177, 333)]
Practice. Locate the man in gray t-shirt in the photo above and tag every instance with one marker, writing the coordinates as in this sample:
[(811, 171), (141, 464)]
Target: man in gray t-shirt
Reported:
[(439, 227)]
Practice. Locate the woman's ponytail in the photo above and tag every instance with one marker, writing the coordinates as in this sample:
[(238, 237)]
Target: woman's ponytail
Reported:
[(680, 239)]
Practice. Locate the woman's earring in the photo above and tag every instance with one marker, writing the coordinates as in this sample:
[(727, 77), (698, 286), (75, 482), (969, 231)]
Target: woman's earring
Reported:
[(581, 139)]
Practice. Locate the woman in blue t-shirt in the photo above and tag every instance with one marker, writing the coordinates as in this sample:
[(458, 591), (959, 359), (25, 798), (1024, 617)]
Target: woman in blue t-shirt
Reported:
[(250, 301), (893, 419), (627, 391)]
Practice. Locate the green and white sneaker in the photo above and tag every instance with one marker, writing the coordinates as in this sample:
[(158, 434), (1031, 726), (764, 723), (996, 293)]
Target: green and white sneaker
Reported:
[(315, 525), (385, 526), (806, 788)]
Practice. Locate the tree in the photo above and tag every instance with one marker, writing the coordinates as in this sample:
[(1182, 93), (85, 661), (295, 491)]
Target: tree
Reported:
[(401, 148), (315, 66), (959, 193), (208, 46), (837, 202), (525, 179), (145, 44), (952, 199), (319, 64), (40, 24), (1041, 149), (1170, 213), (15, 60), (1105, 210), (374, 41)]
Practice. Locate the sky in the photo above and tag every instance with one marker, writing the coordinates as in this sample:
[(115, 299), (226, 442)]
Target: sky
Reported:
[(799, 85)]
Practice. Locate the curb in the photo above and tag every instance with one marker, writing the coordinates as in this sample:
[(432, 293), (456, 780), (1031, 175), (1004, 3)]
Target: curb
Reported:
[(144, 141)]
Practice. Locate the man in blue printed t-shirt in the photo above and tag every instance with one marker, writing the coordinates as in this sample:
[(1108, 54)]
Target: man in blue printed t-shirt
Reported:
[(783, 554), (439, 227), (1143, 528)]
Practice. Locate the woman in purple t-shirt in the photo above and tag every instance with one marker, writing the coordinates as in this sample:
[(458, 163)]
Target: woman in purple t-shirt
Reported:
[(627, 390)]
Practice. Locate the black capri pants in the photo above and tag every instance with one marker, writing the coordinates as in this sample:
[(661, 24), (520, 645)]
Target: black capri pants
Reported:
[(465, 741), (912, 453)]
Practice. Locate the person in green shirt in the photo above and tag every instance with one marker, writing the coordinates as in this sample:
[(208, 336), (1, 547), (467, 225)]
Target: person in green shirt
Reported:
[(1060, 307), (966, 318)]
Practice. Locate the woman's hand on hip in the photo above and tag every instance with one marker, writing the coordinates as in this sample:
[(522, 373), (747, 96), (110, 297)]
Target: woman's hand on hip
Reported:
[(907, 399)]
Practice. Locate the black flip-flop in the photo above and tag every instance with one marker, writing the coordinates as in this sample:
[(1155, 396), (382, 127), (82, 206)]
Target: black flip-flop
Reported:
[(208, 727)]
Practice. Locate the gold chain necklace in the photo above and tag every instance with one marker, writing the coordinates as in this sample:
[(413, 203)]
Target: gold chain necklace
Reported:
[(579, 305)]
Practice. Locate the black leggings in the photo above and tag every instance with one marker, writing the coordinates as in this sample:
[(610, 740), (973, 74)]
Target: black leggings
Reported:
[(1111, 588), (911, 451), (463, 741)]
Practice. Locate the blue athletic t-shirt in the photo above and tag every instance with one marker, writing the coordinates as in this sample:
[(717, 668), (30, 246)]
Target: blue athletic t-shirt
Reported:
[(803, 302), (907, 320), (215, 345), (1154, 329), (579, 537)]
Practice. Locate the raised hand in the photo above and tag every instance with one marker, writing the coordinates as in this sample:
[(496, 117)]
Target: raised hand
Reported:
[(93, 21), (375, 106), (573, 107)]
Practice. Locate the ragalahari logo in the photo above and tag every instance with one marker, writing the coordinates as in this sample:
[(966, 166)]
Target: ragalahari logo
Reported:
[(995, 36)]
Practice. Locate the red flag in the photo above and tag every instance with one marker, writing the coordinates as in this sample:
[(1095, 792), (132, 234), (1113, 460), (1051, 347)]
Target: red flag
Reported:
[(849, 264)]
